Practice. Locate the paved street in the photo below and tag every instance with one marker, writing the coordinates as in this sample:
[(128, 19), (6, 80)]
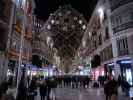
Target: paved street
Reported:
[(83, 94)]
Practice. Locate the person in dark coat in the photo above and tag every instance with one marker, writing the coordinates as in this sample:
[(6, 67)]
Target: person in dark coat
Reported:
[(107, 89), (32, 90), (43, 90), (111, 88), (3, 88), (21, 95)]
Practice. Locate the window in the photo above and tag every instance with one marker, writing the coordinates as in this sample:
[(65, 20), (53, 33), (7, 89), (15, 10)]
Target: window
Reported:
[(106, 33), (100, 39), (122, 46)]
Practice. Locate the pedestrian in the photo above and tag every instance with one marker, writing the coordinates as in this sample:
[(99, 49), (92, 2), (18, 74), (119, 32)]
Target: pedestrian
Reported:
[(107, 89), (49, 88), (21, 95), (114, 89), (32, 90), (3, 87), (43, 90)]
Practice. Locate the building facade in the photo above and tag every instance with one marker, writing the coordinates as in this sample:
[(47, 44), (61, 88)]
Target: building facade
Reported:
[(19, 49), (42, 48), (122, 26), (109, 36), (5, 13)]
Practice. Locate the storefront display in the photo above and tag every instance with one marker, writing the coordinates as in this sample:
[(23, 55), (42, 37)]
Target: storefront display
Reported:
[(126, 70), (96, 72)]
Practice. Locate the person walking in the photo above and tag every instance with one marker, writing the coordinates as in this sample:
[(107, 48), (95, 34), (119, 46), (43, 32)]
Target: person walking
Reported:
[(114, 89), (43, 90), (32, 90), (107, 89), (3, 89), (21, 95)]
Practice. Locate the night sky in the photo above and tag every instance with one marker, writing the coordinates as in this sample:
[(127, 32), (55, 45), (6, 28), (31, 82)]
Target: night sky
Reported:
[(45, 7)]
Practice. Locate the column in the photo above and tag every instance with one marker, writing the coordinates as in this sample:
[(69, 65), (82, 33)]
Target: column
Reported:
[(113, 41)]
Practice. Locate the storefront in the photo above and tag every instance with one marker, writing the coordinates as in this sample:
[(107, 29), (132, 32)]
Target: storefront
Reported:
[(109, 69), (12, 72), (96, 72), (126, 70)]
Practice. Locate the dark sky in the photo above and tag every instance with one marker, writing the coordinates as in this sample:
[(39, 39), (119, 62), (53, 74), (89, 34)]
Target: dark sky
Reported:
[(45, 7)]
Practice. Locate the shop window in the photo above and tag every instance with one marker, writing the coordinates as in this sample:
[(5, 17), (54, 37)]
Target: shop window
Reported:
[(122, 46), (100, 39), (106, 33)]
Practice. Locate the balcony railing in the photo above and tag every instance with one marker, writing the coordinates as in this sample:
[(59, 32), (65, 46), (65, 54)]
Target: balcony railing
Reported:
[(120, 3), (123, 27), (123, 52)]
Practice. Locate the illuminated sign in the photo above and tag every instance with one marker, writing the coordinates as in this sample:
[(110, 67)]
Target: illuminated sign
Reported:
[(126, 62)]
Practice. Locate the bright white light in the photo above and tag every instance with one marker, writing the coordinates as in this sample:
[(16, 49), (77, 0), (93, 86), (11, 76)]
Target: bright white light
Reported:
[(51, 72), (126, 62), (84, 27), (129, 76), (81, 73), (101, 13), (102, 73), (89, 34), (51, 45), (80, 21), (48, 39), (111, 64), (49, 27), (52, 21), (80, 67), (28, 72), (34, 73), (84, 43), (9, 73), (54, 66), (113, 73), (23, 3)]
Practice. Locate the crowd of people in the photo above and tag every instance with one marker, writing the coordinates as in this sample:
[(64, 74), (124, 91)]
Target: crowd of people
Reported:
[(28, 88), (73, 81)]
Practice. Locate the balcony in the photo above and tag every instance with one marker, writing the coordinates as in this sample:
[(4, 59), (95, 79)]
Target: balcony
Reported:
[(123, 27), (116, 4), (123, 52)]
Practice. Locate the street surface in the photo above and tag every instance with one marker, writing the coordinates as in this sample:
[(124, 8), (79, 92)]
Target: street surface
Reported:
[(82, 94)]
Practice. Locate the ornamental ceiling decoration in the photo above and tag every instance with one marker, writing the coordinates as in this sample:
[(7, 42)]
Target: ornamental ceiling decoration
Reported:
[(67, 27)]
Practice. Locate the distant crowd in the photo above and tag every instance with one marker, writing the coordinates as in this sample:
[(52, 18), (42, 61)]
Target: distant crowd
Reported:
[(28, 88)]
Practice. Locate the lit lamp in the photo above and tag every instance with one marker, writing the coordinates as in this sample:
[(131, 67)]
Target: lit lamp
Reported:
[(84, 43), (101, 14)]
